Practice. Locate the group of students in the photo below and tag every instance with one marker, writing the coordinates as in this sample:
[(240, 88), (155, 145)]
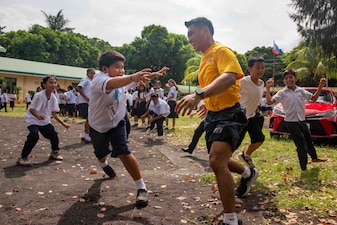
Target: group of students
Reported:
[(5, 97), (141, 99), (230, 100)]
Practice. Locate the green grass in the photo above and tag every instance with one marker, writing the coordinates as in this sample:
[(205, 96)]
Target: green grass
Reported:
[(313, 191)]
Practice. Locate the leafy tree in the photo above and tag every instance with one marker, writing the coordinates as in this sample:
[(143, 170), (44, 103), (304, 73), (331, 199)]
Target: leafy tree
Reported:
[(317, 23), (311, 64), (58, 22)]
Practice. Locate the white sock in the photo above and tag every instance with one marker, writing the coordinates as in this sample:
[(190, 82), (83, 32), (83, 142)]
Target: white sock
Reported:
[(140, 184), (104, 164), (230, 218), (246, 173)]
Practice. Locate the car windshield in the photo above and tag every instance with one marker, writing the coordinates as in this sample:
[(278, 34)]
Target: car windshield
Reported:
[(324, 97)]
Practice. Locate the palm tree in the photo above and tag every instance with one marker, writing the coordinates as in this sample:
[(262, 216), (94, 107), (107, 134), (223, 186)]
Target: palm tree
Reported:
[(192, 69), (310, 63), (58, 22)]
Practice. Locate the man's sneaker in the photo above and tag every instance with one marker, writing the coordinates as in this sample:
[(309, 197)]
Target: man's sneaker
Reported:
[(187, 149), (141, 200), (55, 155), (109, 171), (246, 158), (246, 183), (24, 162), (222, 223)]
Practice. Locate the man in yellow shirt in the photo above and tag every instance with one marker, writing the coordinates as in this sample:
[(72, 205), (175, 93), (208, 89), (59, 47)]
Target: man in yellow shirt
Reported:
[(219, 75)]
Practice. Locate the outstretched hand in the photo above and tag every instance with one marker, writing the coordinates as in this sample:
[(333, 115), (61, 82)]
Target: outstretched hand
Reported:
[(187, 104)]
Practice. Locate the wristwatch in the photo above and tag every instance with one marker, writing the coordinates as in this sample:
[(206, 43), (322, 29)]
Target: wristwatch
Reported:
[(200, 92)]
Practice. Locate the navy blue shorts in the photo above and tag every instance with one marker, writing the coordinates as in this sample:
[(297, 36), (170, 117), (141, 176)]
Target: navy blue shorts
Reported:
[(225, 125), (83, 109), (116, 138)]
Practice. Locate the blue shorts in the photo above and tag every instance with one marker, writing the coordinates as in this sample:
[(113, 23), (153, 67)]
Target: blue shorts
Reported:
[(225, 125), (116, 137)]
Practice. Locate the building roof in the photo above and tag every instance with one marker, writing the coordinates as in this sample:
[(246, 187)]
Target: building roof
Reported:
[(26, 67)]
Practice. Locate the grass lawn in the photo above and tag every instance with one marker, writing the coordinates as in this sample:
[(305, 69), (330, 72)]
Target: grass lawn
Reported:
[(312, 193)]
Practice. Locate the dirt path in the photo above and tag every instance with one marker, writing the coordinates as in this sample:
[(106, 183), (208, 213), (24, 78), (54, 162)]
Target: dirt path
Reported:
[(76, 191)]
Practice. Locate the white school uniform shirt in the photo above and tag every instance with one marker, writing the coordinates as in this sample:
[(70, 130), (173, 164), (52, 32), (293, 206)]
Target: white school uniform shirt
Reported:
[(28, 98), (160, 93), (251, 95), (85, 84), (161, 108), (149, 93), (293, 103), (71, 97), (173, 90), (42, 106), (106, 108)]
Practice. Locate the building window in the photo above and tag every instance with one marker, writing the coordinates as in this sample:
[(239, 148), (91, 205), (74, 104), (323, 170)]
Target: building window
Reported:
[(8, 84)]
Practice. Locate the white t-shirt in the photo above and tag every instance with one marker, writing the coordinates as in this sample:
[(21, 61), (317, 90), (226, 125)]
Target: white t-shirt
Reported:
[(161, 108), (42, 106), (251, 95), (28, 98), (85, 85), (173, 90), (106, 108)]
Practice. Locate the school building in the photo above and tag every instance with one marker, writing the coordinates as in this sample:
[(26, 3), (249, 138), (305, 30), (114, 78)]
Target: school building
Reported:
[(27, 75)]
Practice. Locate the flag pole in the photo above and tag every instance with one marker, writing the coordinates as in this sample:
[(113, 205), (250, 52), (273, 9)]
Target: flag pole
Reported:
[(273, 68)]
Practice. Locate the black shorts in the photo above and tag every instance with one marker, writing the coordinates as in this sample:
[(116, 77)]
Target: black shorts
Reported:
[(116, 137), (225, 125), (83, 109), (254, 129)]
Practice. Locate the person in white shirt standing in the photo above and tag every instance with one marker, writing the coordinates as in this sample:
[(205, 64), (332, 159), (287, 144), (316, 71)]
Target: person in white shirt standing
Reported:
[(28, 99), (71, 96), (83, 88), (107, 116)]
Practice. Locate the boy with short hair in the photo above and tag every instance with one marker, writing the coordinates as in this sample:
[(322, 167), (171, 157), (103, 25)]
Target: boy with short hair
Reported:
[(107, 112), (293, 100), (251, 91)]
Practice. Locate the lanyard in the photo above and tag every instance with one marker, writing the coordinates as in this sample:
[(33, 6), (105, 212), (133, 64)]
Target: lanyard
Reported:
[(116, 94)]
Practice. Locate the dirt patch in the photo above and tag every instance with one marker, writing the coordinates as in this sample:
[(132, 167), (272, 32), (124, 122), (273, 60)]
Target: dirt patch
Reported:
[(76, 190)]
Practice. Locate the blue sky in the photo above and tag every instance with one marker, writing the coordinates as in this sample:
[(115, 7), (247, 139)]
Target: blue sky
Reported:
[(241, 25)]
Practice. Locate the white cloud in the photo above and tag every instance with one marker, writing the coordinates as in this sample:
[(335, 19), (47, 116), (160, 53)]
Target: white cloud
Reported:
[(241, 25)]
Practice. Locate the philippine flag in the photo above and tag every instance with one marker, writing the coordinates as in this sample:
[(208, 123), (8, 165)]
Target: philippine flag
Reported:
[(276, 49)]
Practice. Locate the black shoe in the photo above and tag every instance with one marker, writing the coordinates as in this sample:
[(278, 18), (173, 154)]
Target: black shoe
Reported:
[(239, 223), (246, 183), (141, 200), (109, 171), (186, 149)]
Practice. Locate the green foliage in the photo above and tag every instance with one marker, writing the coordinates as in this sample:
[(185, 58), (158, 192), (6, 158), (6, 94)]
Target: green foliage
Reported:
[(316, 22)]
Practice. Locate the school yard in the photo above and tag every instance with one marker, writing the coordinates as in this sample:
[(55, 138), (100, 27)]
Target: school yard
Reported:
[(76, 191)]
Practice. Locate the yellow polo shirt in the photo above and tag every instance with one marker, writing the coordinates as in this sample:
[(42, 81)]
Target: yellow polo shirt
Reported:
[(218, 59)]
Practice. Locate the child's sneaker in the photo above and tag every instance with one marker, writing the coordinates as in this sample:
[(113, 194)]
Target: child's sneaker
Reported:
[(109, 171), (246, 158), (24, 162), (160, 137), (141, 200), (55, 155), (149, 130)]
